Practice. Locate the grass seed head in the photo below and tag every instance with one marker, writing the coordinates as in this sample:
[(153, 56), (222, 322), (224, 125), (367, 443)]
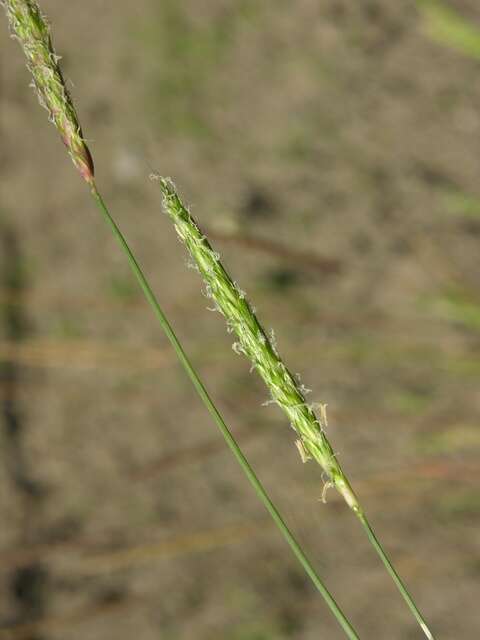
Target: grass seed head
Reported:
[(258, 346), (31, 29)]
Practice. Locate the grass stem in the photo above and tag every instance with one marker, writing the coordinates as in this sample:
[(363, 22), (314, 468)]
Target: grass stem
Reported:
[(394, 575), (260, 349), (227, 435)]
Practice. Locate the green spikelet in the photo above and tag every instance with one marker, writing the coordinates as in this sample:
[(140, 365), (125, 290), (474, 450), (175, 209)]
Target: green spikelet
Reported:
[(31, 29), (256, 345)]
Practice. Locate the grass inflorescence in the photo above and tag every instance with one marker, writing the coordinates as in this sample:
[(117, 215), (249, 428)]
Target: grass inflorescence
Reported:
[(31, 29), (261, 351), (258, 346)]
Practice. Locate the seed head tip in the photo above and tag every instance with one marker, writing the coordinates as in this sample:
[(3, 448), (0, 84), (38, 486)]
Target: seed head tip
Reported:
[(29, 26)]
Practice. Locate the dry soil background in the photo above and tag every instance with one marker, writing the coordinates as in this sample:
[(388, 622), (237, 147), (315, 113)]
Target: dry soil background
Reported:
[(331, 149)]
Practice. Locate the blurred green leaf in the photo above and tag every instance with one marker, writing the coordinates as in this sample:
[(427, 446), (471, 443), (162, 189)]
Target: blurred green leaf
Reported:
[(464, 204), (123, 288), (446, 26), (461, 437), (410, 402), (459, 308), (458, 504)]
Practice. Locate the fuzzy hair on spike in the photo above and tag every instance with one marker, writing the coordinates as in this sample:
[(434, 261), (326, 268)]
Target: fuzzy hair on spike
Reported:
[(258, 347), (30, 28)]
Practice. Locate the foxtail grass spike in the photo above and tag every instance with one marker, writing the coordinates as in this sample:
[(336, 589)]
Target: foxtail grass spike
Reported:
[(258, 346), (31, 29), (260, 349)]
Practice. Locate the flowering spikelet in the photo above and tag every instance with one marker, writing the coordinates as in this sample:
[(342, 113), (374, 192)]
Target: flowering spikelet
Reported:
[(257, 346), (31, 29)]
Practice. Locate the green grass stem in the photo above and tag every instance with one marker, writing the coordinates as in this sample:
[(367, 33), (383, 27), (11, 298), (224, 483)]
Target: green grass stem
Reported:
[(260, 349), (395, 577), (220, 422)]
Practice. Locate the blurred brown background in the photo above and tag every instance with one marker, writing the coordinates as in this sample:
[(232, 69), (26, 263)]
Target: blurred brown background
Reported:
[(331, 151)]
